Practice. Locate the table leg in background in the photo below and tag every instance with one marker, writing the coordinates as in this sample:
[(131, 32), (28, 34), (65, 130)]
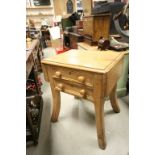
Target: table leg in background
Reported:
[(113, 100)]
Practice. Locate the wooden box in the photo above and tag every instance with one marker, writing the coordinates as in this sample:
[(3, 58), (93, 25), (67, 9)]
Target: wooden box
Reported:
[(95, 26)]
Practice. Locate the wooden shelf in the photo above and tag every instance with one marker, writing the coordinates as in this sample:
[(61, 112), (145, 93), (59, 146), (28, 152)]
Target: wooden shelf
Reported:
[(40, 15), (39, 7)]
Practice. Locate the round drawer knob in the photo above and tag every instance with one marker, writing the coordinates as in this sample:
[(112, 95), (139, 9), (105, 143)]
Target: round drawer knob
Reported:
[(59, 87), (58, 74), (81, 78), (82, 92)]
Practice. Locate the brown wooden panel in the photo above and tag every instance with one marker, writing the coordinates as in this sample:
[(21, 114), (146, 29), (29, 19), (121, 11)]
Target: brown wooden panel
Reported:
[(97, 26), (88, 25), (113, 75), (101, 27)]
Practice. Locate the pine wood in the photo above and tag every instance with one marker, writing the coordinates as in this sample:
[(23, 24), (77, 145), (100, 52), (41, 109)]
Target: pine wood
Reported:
[(91, 75), (97, 26), (121, 84)]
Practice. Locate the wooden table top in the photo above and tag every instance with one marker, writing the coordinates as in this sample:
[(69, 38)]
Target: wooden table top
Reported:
[(94, 61)]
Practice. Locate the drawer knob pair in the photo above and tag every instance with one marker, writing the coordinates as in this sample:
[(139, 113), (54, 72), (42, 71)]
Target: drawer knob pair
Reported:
[(81, 79), (58, 74), (82, 92), (59, 87)]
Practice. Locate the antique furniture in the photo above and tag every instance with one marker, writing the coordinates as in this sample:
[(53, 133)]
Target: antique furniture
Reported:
[(96, 26), (90, 75), (122, 82), (33, 56), (34, 102), (34, 106)]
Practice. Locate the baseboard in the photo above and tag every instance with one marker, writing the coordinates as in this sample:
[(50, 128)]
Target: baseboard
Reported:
[(121, 92)]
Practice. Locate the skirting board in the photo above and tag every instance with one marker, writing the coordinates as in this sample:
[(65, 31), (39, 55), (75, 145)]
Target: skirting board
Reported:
[(121, 92)]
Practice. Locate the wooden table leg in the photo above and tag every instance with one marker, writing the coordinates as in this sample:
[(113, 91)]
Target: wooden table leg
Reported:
[(113, 100), (100, 123), (56, 104), (99, 96)]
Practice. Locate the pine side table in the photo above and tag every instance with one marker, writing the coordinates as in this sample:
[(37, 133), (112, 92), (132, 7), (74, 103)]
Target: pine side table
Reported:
[(90, 75)]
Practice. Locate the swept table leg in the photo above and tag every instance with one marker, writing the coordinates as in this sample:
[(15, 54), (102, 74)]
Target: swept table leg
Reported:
[(100, 123), (99, 96), (56, 104), (113, 100)]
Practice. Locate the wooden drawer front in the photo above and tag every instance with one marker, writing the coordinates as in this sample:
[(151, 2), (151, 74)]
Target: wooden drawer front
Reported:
[(88, 26), (73, 89), (73, 75)]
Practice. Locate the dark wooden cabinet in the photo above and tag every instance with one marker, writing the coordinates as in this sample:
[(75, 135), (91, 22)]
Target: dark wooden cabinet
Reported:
[(34, 101)]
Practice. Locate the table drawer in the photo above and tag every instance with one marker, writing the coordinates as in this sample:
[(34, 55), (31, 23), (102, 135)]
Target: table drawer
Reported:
[(73, 89), (73, 75)]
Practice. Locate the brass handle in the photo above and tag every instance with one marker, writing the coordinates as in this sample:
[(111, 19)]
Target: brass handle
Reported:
[(58, 74), (82, 92), (59, 87), (81, 78)]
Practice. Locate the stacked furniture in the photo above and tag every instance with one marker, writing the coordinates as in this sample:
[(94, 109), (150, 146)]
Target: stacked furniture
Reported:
[(34, 102)]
